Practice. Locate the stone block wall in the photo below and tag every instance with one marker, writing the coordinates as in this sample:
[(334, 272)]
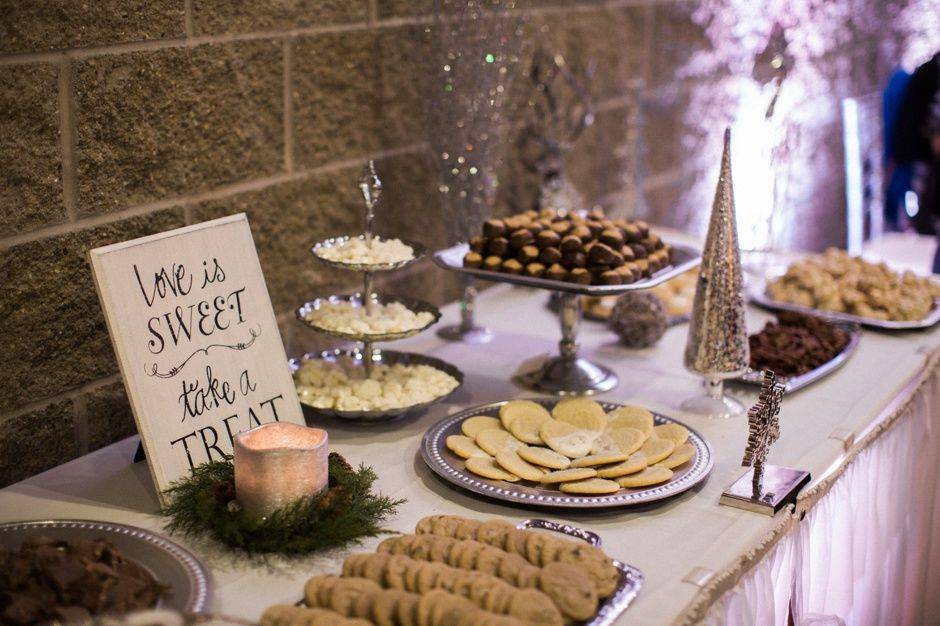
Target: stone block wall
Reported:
[(121, 119)]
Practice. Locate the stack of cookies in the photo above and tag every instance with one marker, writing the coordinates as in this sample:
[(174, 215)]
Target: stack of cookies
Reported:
[(577, 446), (455, 571), (584, 249)]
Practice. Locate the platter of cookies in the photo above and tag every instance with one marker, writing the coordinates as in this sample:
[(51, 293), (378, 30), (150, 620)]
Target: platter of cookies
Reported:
[(455, 571), (582, 253), (838, 286), (569, 453)]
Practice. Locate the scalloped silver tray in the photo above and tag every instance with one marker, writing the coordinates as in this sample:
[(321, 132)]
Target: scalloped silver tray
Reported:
[(384, 357), (168, 562), (418, 249), (631, 579), (795, 383), (449, 466), (758, 295), (683, 259), (418, 306)]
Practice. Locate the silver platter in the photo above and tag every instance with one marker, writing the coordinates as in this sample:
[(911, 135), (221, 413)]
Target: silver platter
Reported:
[(631, 579), (379, 357), (683, 259), (753, 377), (418, 249), (758, 295), (168, 562), (450, 467), (418, 306)]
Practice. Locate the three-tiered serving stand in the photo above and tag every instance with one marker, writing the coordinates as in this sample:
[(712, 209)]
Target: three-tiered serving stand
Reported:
[(367, 357)]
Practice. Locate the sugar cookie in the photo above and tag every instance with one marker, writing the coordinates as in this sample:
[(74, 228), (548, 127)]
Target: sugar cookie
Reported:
[(591, 486), (581, 413), (464, 446), (625, 440), (544, 457), (652, 475), (568, 475), (487, 468), (526, 427), (680, 455), (676, 433), (473, 426), (493, 441), (566, 439), (657, 449), (636, 463), (593, 460), (632, 416), (514, 464), (516, 408)]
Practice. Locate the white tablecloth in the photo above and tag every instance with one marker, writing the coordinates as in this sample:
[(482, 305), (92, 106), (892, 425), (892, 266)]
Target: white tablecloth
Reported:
[(667, 541)]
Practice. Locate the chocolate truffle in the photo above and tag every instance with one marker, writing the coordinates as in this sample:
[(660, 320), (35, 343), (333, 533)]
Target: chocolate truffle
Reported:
[(627, 273), (596, 214), (548, 238), (571, 243), (627, 253), (498, 246), (492, 263), (478, 244), (535, 270), (520, 238), (528, 254), (643, 227), (549, 256), (632, 233), (573, 259), (493, 228), (512, 266), (639, 251), (556, 272), (579, 275), (472, 259), (601, 254), (610, 277), (612, 237), (562, 227), (582, 232)]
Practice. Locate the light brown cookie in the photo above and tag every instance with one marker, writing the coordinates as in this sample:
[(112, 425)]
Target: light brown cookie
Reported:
[(582, 413), (570, 590), (395, 569), (681, 454), (627, 439), (544, 457), (526, 427), (510, 461), (493, 441), (534, 608), (652, 475), (487, 468), (594, 563), (632, 416), (493, 532), (464, 446), (566, 439), (591, 486), (473, 426), (568, 475), (344, 592), (676, 433), (656, 449), (636, 463), (593, 460), (514, 409)]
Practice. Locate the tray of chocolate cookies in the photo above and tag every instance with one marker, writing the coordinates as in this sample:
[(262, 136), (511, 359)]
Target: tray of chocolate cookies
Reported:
[(573, 252), (800, 349), (570, 453), (455, 571)]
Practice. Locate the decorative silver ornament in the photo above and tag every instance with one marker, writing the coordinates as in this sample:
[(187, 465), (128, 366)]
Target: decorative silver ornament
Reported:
[(639, 319), (717, 346)]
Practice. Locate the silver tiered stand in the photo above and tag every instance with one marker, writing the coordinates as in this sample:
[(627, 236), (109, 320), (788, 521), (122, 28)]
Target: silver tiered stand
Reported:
[(568, 373)]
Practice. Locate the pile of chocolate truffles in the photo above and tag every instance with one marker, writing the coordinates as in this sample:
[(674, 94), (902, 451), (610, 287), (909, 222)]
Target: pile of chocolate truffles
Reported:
[(587, 249)]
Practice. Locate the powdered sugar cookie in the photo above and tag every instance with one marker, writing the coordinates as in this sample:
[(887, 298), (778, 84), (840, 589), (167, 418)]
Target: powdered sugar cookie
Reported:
[(517, 408)]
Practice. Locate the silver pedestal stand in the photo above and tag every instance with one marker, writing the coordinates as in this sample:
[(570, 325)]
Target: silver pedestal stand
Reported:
[(467, 331)]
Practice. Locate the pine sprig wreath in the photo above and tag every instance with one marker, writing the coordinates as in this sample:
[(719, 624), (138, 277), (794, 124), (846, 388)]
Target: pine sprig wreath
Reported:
[(204, 504)]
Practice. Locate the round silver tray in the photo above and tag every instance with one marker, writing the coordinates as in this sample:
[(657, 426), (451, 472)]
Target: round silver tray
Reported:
[(758, 295), (168, 562), (418, 306), (418, 249), (379, 357), (449, 466)]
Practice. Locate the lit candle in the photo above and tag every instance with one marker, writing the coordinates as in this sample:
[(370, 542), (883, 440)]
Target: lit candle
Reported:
[(278, 463)]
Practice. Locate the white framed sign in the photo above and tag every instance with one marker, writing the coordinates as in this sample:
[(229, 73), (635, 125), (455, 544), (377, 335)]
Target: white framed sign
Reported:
[(196, 340)]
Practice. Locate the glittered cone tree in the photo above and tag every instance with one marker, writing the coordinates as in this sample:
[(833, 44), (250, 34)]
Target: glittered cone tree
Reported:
[(717, 347)]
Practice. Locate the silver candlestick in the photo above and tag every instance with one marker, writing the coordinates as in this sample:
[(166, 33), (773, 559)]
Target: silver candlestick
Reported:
[(467, 330)]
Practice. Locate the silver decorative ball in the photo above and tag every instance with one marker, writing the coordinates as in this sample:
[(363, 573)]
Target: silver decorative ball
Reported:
[(639, 319)]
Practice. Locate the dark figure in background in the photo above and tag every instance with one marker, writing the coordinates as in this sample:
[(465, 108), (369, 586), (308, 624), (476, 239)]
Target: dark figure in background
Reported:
[(917, 142)]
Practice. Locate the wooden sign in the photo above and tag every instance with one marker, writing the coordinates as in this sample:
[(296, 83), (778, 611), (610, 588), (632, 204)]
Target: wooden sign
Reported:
[(196, 340)]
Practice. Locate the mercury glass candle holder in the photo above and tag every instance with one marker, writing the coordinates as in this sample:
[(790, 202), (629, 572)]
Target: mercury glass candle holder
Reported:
[(277, 464)]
